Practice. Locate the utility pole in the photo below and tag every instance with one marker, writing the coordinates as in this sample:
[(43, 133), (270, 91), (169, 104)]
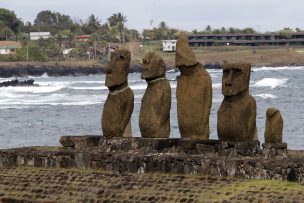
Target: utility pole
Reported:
[(27, 52)]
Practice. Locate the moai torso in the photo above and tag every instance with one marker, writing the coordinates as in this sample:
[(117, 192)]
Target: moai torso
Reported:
[(273, 126), (154, 117), (193, 93), (119, 104), (194, 97), (237, 114)]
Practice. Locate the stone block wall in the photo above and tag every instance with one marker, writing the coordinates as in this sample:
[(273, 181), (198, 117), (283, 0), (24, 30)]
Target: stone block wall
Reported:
[(137, 155)]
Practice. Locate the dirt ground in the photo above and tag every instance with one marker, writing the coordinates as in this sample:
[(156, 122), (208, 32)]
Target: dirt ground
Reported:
[(75, 185)]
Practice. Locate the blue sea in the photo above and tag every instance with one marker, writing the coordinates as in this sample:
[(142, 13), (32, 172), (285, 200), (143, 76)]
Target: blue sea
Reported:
[(38, 116)]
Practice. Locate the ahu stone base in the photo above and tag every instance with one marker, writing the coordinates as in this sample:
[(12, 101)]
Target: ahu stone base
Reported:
[(143, 155)]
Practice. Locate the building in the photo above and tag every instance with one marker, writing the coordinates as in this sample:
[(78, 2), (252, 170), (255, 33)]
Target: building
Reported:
[(269, 39), (38, 35), (83, 38), (169, 45), (9, 47)]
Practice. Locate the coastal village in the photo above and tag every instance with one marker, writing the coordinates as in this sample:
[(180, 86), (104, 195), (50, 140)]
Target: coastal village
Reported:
[(56, 37), (118, 165)]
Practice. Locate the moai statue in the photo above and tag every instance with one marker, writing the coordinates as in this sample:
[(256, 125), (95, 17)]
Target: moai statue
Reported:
[(193, 93), (273, 126), (154, 117), (236, 117), (119, 105)]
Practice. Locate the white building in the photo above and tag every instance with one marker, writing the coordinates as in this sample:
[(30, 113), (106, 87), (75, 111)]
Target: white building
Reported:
[(38, 35), (169, 45), (9, 47)]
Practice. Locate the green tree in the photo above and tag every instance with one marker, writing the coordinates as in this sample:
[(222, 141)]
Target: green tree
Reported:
[(24, 39), (208, 29), (5, 31), (117, 21), (248, 30), (10, 19), (93, 23), (50, 47), (52, 21), (34, 53)]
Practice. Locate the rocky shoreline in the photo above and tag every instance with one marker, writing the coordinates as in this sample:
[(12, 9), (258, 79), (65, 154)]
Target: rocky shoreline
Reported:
[(55, 70), (22, 70)]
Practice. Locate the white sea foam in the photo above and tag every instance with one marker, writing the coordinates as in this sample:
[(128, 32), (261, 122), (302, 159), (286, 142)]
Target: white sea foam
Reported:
[(66, 83), (28, 105), (266, 96), (52, 99), (217, 85), (139, 86), (89, 88), (31, 89), (278, 68), (271, 82)]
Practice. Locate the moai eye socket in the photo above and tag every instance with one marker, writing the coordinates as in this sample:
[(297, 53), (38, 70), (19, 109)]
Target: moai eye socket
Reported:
[(145, 61), (121, 57), (237, 72), (226, 72)]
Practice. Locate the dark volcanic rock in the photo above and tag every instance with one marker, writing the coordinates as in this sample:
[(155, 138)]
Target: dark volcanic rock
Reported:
[(213, 66), (14, 83), (51, 71)]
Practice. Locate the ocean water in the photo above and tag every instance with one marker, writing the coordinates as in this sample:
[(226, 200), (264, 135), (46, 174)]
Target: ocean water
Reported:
[(32, 116)]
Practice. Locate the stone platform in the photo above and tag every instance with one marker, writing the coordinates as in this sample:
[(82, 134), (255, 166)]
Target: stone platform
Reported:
[(142, 155)]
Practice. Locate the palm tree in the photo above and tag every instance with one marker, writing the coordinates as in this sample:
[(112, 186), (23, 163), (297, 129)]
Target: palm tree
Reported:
[(93, 22), (118, 21)]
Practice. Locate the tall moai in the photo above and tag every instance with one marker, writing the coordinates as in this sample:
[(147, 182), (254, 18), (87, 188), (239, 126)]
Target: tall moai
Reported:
[(119, 104), (236, 117), (154, 117), (273, 126), (193, 93)]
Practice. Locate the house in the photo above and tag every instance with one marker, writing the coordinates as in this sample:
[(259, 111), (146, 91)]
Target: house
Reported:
[(38, 35), (169, 45), (83, 38), (9, 47)]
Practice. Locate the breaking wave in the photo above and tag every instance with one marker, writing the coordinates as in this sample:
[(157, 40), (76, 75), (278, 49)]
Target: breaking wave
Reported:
[(271, 82)]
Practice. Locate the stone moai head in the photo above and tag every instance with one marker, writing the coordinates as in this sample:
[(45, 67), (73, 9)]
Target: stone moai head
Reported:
[(117, 72), (153, 66), (236, 77), (273, 126), (184, 57)]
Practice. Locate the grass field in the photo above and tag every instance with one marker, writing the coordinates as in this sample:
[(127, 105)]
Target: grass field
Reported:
[(75, 185)]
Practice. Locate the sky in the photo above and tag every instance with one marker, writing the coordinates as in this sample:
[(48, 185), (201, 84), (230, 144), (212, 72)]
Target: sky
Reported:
[(262, 15)]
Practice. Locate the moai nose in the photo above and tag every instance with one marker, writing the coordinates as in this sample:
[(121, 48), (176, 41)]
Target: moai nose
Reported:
[(228, 81)]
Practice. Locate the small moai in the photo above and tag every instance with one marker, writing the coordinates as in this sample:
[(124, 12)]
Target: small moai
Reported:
[(273, 126), (236, 120), (119, 104), (154, 117), (193, 93)]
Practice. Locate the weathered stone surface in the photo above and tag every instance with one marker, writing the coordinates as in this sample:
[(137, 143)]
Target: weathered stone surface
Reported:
[(278, 150), (154, 117), (80, 142), (273, 126), (157, 145), (237, 113), (119, 104), (233, 149), (143, 161), (193, 93)]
